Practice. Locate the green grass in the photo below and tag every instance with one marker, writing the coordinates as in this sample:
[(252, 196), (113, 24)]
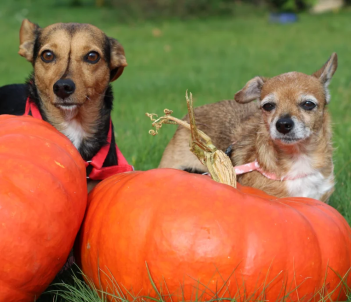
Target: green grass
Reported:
[(211, 58), (80, 291)]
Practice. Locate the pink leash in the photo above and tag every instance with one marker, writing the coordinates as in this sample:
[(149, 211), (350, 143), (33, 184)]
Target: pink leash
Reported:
[(254, 166)]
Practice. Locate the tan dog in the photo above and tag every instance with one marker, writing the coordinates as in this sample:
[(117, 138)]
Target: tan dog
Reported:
[(287, 138)]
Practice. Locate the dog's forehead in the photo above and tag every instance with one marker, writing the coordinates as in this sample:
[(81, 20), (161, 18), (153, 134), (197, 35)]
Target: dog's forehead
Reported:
[(77, 32), (292, 85)]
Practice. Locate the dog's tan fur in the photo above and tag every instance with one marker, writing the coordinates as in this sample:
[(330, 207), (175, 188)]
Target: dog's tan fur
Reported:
[(70, 42), (247, 128)]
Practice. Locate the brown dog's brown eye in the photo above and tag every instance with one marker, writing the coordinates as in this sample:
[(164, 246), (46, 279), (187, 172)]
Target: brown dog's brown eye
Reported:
[(92, 57), (47, 56), (268, 106), (308, 105)]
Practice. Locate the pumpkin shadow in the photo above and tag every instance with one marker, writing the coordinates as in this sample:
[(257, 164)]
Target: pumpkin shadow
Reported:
[(68, 277)]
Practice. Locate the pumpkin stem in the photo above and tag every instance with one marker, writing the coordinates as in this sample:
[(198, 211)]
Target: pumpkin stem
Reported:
[(217, 162)]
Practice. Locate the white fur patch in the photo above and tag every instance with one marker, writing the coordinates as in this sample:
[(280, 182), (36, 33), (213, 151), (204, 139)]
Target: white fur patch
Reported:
[(309, 97), (268, 99), (315, 185), (74, 131), (300, 130), (69, 111)]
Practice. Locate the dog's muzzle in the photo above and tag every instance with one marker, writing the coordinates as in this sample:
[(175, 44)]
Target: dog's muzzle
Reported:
[(284, 125), (289, 130)]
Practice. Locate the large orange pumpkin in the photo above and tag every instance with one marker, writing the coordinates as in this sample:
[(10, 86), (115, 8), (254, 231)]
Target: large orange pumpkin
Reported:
[(202, 240), (43, 197)]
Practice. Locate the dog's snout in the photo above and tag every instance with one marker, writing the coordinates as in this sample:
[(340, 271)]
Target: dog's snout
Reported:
[(64, 88), (285, 125)]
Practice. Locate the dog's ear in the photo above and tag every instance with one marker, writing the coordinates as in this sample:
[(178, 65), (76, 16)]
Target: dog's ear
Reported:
[(117, 60), (251, 91), (326, 73), (28, 34)]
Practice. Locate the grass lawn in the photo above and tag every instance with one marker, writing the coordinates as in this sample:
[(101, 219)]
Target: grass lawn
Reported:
[(211, 58)]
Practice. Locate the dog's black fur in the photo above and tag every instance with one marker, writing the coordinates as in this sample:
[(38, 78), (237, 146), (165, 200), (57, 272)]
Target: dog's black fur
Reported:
[(13, 101)]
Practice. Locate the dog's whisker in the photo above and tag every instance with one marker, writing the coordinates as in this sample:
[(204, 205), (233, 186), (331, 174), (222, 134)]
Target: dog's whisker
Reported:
[(104, 95)]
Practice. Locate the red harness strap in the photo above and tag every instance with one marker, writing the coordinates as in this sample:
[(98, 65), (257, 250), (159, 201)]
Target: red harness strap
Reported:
[(98, 172), (32, 109)]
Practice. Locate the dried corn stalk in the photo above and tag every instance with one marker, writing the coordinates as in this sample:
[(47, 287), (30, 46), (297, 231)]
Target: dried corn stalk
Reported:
[(217, 162)]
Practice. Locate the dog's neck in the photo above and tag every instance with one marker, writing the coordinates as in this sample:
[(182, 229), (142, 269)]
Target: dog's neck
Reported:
[(87, 129), (311, 155)]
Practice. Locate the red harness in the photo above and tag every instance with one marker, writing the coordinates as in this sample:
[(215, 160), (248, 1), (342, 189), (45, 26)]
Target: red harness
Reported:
[(98, 172)]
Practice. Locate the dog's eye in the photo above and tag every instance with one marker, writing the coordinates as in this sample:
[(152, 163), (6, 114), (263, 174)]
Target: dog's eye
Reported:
[(47, 56), (308, 105), (268, 106), (92, 57)]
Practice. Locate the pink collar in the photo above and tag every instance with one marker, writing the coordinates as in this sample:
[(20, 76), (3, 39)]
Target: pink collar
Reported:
[(254, 166)]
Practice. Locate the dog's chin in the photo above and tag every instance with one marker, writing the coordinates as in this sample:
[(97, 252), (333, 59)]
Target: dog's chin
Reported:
[(288, 141), (67, 107), (68, 110)]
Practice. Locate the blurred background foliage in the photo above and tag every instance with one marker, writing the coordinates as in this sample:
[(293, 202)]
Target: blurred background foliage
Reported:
[(185, 9)]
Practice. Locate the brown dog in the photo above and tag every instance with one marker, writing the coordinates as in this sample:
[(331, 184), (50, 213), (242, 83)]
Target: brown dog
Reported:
[(284, 144), (73, 65)]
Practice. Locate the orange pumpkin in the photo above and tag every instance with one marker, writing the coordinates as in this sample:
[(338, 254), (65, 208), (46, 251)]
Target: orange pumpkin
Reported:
[(201, 239), (43, 197)]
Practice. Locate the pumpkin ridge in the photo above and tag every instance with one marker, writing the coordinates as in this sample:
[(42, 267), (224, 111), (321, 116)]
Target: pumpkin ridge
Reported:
[(111, 188), (99, 201), (343, 228), (106, 186), (91, 233), (330, 213), (324, 269), (322, 265)]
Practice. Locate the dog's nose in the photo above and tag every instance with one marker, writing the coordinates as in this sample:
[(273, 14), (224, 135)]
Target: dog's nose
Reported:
[(64, 88), (284, 125)]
